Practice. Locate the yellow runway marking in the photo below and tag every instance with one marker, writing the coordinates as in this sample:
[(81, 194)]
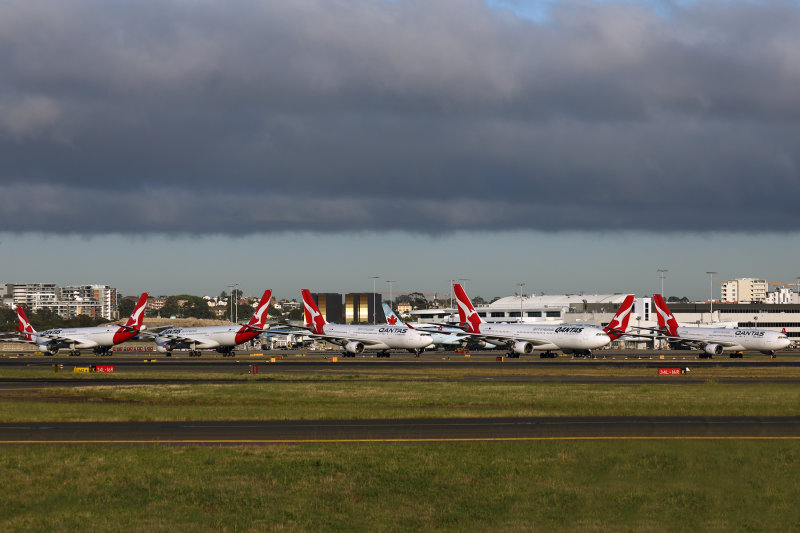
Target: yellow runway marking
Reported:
[(335, 441)]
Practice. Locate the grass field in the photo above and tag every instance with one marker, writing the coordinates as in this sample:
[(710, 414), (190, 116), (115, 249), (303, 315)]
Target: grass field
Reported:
[(595, 485), (348, 400), (397, 394), (543, 486)]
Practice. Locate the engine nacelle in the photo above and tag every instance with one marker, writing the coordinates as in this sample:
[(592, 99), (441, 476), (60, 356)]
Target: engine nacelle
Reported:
[(712, 349), (521, 347), (354, 347), (165, 347), (48, 348)]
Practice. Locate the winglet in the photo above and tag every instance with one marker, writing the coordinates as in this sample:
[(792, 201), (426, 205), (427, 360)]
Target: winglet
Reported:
[(314, 318), (466, 312), (259, 317), (23, 325), (619, 324), (666, 320)]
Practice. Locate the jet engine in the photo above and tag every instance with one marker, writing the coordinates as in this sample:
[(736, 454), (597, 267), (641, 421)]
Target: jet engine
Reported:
[(354, 347), (712, 349), (49, 348), (165, 347), (521, 347)]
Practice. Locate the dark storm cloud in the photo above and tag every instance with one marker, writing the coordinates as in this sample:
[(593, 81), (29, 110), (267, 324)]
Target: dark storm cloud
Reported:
[(238, 117)]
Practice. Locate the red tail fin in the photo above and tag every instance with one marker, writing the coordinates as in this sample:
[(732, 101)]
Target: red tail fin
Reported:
[(314, 319), (23, 326), (260, 314), (136, 318), (466, 313), (666, 320), (619, 324)]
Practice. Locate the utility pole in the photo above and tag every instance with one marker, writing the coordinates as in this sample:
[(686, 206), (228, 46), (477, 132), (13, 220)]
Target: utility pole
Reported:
[(391, 302), (373, 297), (661, 272), (231, 286), (520, 285), (711, 293)]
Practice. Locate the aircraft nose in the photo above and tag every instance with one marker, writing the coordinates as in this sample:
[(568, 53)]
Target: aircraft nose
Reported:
[(603, 340)]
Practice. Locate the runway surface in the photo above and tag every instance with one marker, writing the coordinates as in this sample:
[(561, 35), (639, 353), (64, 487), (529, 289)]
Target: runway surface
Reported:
[(317, 363), (11, 384), (404, 430)]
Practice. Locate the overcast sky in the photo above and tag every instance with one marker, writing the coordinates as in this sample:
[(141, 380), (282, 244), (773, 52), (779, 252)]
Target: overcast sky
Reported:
[(571, 145)]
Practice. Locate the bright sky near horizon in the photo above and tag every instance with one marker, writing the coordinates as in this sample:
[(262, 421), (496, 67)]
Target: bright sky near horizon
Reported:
[(571, 145)]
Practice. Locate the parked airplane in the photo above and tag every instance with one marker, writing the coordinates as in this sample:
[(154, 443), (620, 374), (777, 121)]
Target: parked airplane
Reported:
[(99, 339), (444, 336), (223, 339), (714, 341), (357, 338), (578, 339)]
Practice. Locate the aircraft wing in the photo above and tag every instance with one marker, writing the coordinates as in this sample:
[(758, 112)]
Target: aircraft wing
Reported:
[(533, 341), (449, 331), (693, 342), (646, 329), (178, 338), (57, 338), (15, 336), (498, 340), (341, 341)]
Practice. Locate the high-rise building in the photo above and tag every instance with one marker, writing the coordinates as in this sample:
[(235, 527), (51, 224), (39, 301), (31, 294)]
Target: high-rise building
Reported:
[(360, 308), (330, 305), (744, 290), (67, 302)]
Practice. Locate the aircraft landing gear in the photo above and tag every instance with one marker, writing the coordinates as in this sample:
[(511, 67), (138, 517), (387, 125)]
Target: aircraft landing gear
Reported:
[(547, 355)]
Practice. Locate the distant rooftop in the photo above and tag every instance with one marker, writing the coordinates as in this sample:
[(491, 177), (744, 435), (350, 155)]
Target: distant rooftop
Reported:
[(558, 300)]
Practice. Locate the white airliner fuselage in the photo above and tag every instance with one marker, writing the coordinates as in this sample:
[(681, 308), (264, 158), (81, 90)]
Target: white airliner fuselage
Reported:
[(357, 338), (200, 338), (718, 340), (521, 339), (99, 339), (526, 338), (220, 338), (714, 341), (372, 337)]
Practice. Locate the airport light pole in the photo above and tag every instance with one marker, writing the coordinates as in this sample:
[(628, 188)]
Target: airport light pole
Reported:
[(463, 286), (661, 272), (451, 292), (520, 285), (231, 286), (711, 294), (373, 297), (390, 281), (236, 303)]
